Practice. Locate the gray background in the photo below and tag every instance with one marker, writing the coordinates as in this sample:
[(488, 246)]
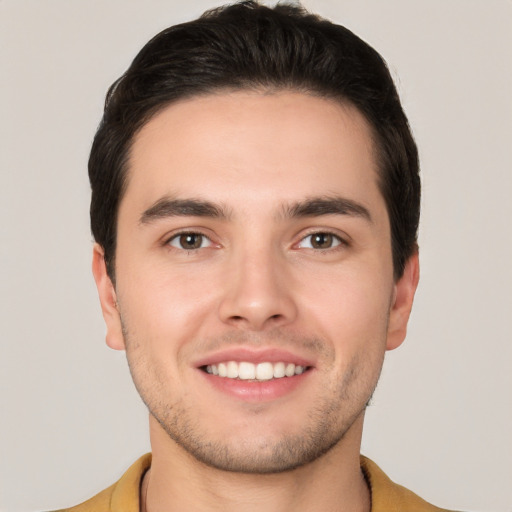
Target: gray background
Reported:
[(70, 419)]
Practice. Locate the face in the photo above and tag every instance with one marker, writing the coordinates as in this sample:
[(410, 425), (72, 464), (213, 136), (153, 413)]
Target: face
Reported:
[(254, 283)]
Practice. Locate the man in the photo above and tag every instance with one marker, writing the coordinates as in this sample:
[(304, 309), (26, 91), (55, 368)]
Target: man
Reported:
[(255, 204)]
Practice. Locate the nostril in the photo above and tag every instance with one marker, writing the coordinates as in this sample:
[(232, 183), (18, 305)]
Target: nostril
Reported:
[(251, 319)]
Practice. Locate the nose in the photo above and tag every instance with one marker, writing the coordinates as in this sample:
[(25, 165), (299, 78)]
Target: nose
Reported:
[(258, 292)]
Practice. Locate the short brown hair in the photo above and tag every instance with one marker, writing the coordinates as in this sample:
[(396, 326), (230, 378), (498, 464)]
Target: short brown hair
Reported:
[(247, 46)]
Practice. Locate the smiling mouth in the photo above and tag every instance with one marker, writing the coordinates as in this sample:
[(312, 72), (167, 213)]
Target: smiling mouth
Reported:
[(258, 372)]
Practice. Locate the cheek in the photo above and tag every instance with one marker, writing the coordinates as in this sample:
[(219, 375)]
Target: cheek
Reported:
[(166, 306), (350, 309)]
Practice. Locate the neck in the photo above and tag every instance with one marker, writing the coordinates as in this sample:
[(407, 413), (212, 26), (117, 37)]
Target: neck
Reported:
[(177, 481)]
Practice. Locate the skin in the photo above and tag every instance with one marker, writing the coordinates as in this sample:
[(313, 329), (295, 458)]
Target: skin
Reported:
[(256, 281)]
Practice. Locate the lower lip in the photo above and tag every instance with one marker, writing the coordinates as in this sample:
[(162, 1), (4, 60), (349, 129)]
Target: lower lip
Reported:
[(256, 391)]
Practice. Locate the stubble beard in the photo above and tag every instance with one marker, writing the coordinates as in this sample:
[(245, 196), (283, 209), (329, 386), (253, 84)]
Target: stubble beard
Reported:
[(325, 425), (262, 456)]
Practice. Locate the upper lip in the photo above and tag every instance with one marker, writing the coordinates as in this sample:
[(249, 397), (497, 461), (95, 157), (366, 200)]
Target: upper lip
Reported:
[(272, 355)]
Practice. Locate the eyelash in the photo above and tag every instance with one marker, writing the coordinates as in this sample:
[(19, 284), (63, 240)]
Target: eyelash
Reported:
[(335, 238), (340, 242), (177, 236)]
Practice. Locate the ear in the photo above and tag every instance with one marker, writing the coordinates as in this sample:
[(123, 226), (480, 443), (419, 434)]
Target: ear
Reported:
[(403, 297), (108, 300)]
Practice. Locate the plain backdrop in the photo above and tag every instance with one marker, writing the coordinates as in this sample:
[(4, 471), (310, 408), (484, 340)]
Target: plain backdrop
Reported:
[(70, 419)]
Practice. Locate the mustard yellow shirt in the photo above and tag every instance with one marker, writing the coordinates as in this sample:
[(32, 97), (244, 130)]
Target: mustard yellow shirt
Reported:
[(386, 496)]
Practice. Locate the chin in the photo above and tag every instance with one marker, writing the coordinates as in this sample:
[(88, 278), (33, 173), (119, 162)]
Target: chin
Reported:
[(246, 450)]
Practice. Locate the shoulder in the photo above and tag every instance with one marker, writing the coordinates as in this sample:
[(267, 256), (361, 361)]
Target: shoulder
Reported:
[(390, 497), (123, 496)]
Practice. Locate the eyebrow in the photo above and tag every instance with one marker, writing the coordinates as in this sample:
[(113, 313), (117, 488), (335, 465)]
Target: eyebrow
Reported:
[(312, 207), (330, 205), (168, 207)]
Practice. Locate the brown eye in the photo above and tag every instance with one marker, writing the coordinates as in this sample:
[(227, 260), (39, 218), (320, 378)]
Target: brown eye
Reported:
[(189, 241), (320, 241)]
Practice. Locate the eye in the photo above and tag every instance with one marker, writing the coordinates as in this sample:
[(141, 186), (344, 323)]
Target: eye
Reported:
[(320, 241), (190, 241)]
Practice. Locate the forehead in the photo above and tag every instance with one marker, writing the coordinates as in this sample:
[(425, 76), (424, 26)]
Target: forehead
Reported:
[(247, 148)]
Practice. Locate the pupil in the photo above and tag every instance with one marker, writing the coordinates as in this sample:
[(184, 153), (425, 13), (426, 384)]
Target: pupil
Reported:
[(190, 241), (322, 240)]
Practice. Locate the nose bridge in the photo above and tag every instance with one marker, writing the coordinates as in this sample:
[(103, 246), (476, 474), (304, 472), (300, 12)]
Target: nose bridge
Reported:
[(257, 292)]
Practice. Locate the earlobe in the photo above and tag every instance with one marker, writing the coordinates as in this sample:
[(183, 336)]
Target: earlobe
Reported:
[(108, 300), (405, 288)]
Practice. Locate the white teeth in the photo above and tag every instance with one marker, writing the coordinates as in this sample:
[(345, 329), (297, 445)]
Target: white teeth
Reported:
[(264, 371), (232, 370), (250, 371), (289, 371), (278, 370), (246, 371), (223, 371)]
